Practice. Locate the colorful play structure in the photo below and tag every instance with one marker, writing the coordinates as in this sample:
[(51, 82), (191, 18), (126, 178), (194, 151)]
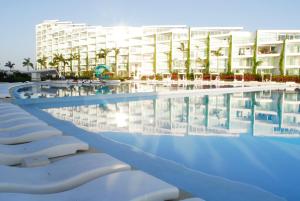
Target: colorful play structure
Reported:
[(103, 71)]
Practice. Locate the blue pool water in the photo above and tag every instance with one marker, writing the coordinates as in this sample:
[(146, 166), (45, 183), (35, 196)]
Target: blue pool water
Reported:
[(271, 164), (250, 138)]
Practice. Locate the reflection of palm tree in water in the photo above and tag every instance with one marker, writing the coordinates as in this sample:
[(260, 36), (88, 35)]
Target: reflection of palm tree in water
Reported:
[(217, 110), (103, 90)]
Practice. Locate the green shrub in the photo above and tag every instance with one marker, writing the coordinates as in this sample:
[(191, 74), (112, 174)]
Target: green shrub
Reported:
[(158, 77), (15, 77), (86, 75)]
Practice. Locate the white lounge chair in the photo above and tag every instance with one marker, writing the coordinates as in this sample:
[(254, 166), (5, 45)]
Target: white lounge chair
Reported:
[(13, 116), (11, 109), (50, 147), (8, 105), (193, 199), (60, 175), (3, 106), (20, 117), (27, 134), (20, 123), (120, 186), (8, 114)]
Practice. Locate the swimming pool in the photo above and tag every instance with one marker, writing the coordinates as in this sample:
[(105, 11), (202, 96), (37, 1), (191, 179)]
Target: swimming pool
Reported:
[(246, 139), (54, 91), (251, 138)]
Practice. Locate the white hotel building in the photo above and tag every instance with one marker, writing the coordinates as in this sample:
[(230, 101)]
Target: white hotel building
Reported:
[(155, 49)]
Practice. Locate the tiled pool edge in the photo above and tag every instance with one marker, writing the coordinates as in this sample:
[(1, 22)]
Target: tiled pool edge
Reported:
[(141, 160)]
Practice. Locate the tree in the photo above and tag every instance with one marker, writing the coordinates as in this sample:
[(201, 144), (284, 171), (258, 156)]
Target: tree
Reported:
[(27, 63), (53, 63), (57, 58), (207, 65), (188, 60), (65, 63), (229, 64), (154, 56), (170, 54), (87, 63), (72, 57), (103, 54), (184, 50), (127, 66), (218, 53), (9, 65), (201, 62), (117, 52), (79, 62), (281, 60), (42, 61), (254, 62)]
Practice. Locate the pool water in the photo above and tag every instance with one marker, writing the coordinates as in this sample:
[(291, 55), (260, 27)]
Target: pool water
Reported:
[(46, 91), (252, 138)]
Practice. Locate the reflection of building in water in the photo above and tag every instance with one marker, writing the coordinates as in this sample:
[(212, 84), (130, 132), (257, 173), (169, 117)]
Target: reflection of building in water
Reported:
[(259, 114), (87, 90)]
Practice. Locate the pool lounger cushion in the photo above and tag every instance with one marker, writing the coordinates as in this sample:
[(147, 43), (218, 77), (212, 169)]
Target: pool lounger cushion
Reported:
[(19, 117), (60, 175), (8, 114), (51, 147), (193, 199), (28, 134), (7, 105), (10, 109), (14, 115), (120, 186), (20, 123), (3, 104)]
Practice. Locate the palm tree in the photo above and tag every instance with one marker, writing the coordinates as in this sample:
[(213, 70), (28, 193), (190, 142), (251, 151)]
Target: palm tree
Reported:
[(256, 64), (117, 52), (183, 49), (281, 59), (218, 53), (201, 62), (170, 55), (53, 64), (9, 65), (207, 65), (27, 63), (79, 62), (42, 61), (65, 63), (103, 54), (57, 58), (73, 56)]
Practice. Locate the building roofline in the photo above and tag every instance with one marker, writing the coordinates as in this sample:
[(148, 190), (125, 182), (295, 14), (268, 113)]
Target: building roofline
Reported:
[(279, 30)]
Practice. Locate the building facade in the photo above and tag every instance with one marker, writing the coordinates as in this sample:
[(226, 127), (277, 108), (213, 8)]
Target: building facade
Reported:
[(148, 50)]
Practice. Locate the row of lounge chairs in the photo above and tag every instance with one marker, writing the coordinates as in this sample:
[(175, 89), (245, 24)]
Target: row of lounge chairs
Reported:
[(39, 163)]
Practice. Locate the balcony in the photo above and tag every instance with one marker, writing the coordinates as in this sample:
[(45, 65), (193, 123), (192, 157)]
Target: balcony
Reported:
[(268, 50)]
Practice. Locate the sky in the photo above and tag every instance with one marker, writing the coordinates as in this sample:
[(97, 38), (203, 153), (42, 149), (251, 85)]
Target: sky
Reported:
[(19, 17)]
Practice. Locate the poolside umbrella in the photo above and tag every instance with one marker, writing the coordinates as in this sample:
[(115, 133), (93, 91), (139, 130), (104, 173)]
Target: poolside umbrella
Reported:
[(100, 69)]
